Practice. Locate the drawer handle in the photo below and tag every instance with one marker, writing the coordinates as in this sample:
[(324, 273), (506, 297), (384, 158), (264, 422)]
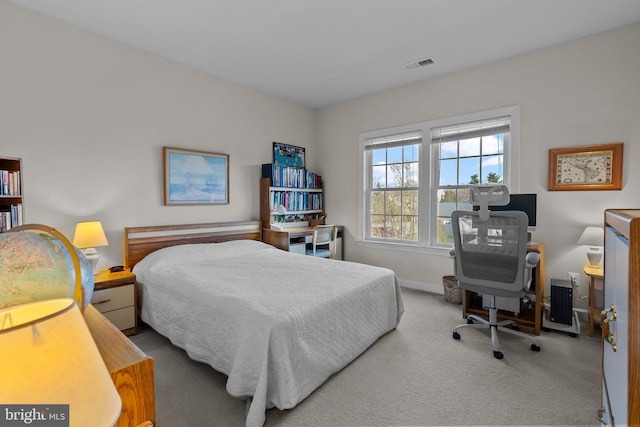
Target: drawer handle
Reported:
[(606, 331), (101, 302)]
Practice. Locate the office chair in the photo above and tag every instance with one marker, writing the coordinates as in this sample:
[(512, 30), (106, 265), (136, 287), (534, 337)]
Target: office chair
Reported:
[(323, 241), (490, 258)]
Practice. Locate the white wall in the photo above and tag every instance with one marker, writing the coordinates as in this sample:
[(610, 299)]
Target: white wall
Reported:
[(581, 93), (89, 118)]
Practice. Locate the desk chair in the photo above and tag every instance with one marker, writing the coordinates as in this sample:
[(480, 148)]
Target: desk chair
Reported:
[(490, 258), (323, 241)]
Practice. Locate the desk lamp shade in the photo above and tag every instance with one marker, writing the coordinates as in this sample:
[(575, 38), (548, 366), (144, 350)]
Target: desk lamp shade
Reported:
[(593, 237), (48, 357), (88, 236)]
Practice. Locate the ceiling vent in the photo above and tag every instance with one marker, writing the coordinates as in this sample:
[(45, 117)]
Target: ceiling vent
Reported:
[(418, 64)]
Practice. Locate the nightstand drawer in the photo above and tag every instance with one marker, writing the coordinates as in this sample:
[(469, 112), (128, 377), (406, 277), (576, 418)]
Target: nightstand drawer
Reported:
[(124, 318), (113, 298)]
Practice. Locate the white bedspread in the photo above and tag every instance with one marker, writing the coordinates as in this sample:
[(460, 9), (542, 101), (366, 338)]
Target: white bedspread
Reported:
[(277, 324)]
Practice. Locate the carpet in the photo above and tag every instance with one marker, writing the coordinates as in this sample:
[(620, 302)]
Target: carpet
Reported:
[(416, 375)]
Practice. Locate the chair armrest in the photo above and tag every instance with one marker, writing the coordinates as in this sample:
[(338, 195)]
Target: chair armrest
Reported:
[(532, 259)]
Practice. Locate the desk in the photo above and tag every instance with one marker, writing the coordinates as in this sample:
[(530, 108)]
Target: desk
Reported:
[(530, 317), (293, 239), (594, 273)]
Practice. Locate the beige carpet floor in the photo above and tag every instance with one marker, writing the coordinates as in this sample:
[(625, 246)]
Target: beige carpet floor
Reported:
[(416, 375)]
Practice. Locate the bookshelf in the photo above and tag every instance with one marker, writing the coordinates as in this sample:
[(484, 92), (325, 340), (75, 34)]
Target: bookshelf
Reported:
[(296, 199), (11, 214)]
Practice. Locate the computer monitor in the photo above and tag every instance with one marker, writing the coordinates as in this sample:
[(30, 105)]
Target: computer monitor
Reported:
[(519, 202)]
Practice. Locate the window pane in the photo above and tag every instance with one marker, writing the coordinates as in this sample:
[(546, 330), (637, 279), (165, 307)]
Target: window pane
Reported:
[(449, 150), (377, 226), (393, 202), (394, 175), (379, 176), (470, 147), (379, 156), (463, 199), (411, 153), (410, 202), (392, 227), (492, 167), (410, 228), (448, 172), (493, 144), (410, 175), (445, 232), (394, 155), (446, 202), (468, 168), (377, 202)]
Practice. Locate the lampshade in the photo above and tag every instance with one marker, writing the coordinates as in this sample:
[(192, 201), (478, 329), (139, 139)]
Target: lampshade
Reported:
[(48, 357), (88, 236), (594, 238)]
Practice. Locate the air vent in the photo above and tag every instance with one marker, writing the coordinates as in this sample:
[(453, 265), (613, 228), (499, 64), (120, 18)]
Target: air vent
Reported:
[(418, 64)]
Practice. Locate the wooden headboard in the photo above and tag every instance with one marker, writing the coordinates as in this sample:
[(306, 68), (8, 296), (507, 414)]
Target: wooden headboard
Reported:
[(141, 241)]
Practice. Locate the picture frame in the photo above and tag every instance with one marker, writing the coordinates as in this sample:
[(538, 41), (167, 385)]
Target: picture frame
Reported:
[(194, 177), (288, 155), (586, 168)]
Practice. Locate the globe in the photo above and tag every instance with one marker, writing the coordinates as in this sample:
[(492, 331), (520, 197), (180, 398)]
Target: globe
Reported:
[(36, 266)]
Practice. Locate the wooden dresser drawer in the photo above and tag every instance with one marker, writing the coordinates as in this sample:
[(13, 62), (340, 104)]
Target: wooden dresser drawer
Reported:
[(113, 298)]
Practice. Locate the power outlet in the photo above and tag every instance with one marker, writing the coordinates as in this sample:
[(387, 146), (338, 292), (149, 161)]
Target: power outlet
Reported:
[(574, 278)]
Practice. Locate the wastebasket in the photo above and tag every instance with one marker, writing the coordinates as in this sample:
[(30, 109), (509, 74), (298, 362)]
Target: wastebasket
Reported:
[(452, 292)]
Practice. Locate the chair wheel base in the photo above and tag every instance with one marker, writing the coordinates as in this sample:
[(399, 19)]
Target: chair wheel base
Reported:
[(469, 321), (456, 336), (535, 347), (498, 354)]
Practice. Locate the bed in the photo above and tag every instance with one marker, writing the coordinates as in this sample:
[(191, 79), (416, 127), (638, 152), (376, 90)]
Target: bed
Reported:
[(278, 324)]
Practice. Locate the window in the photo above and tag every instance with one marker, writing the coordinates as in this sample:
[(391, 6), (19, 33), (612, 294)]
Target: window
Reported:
[(394, 184), (414, 176)]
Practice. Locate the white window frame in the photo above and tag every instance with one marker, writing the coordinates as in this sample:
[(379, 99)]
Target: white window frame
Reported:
[(429, 175)]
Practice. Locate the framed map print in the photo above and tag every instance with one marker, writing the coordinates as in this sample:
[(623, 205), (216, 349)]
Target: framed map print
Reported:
[(592, 167)]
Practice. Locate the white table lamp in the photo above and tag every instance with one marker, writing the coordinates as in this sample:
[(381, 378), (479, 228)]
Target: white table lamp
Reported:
[(593, 237), (48, 357), (88, 236)]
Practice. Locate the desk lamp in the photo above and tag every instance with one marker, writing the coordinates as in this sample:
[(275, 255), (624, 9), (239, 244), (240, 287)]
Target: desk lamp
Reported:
[(88, 236), (593, 237), (48, 360)]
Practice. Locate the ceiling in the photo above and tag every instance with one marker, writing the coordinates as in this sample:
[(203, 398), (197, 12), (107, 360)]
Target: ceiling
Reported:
[(319, 53)]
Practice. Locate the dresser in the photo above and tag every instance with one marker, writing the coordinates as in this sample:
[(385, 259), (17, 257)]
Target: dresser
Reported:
[(131, 370), (621, 319)]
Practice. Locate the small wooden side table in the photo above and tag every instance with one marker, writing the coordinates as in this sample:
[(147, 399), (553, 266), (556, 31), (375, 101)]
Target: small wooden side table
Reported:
[(114, 296), (594, 273)]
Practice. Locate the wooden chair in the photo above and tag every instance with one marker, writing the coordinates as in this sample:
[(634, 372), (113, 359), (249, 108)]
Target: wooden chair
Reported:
[(323, 241)]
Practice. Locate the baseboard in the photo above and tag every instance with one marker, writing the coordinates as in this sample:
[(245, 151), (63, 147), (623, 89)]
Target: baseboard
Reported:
[(422, 286)]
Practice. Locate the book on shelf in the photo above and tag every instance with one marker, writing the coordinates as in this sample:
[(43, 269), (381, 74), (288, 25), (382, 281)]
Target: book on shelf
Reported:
[(291, 177), (11, 218), (295, 200), (9, 183)]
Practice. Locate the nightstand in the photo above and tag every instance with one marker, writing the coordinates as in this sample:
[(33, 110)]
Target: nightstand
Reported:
[(115, 297)]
